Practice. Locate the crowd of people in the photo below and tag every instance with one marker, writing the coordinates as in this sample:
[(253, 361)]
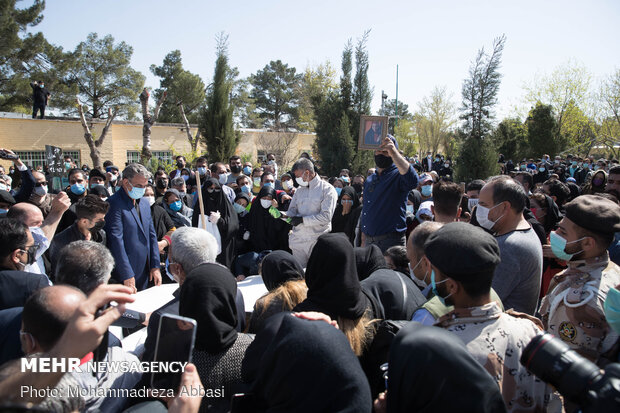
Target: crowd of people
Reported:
[(394, 290)]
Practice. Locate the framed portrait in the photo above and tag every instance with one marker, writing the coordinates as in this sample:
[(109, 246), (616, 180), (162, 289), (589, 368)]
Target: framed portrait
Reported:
[(373, 129)]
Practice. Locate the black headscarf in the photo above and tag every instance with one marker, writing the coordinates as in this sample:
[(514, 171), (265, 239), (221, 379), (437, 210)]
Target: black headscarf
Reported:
[(208, 296), (266, 232), (331, 277), (303, 366), (368, 260), (393, 295), (421, 376), (347, 223), (179, 218), (553, 214), (279, 267)]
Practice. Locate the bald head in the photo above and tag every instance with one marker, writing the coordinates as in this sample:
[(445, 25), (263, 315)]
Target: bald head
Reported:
[(26, 213), (47, 313)]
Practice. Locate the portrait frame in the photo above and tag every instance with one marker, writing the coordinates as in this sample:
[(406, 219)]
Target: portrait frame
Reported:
[(366, 123)]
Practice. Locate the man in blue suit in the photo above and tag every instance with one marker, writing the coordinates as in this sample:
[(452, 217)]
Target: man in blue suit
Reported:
[(131, 234)]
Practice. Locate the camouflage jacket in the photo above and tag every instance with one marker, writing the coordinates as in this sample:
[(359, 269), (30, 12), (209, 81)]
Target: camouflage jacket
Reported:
[(496, 339), (573, 307)]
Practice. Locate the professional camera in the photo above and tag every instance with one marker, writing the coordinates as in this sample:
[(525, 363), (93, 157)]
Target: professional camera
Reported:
[(576, 378)]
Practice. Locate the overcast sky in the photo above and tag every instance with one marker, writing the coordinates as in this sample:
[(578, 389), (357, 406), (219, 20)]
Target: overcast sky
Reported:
[(433, 42)]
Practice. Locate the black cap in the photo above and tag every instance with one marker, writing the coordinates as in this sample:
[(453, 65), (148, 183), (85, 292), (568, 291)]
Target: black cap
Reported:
[(460, 250), (6, 197), (594, 213), (96, 173)]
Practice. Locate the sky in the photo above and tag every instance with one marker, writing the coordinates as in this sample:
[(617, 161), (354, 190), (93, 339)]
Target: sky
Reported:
[(432, 42)]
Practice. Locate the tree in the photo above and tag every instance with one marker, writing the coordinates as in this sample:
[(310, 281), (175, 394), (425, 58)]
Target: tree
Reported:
[(477, 158), (95, 144), (511, 139), (193, 140), (315, 83), (148, 122), (245, 113), (433, 120), (333, 143), (25, 57), (182, 86), (104, 79), (216, 121), (541, 131), (281, 144), (273, 91), (389, 109), (609, 98)]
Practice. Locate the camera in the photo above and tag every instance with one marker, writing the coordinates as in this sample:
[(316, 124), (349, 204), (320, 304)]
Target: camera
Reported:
[(576, 378), (9, 156)]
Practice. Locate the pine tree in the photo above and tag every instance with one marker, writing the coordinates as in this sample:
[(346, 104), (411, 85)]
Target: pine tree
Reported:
[(362, 97), (216, 121)]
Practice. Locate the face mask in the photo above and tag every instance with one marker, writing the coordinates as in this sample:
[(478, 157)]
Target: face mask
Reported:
[(78, 189), (265, 203), (285, 185), (182, 194), (271, 162), (180, 165), (416, 279), (150, 200), (99, 225), (338, 191), (612, 309), (185, 177), (383, 161), (345, 202), (223, 178), (586, 165), (522, 167), (427, 190), (113, 178), (256, 181), (161, 184), (268, 184), (437, 159), (558, 245), (68, 165), (597, 182), (247, 170), (245, 189), (301, 181), (202, 171), (345, 178), (434, 288), (32, 255), (541, 169), (40, 190), (239, 209), (574, 164), (358, 188), (2, 187), (471, 203), (96, 185), (235, 169), (482, 215), (176, 206), (596, 167), (410, 209), (136, 193), (446, 165)]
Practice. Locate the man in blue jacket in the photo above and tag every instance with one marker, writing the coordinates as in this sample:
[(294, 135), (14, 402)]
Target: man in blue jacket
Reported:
[(131, 234)]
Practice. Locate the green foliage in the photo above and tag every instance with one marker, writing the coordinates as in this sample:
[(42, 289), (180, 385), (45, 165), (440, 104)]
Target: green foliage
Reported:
[(477, 159), (346, 87), (273, 92), (100, 70), (245, 113), (216, 121), (542, 136), (405, 136), (182, 86), (316, 84), (334, 143), (510, 138), (433, 120), (389, 109)]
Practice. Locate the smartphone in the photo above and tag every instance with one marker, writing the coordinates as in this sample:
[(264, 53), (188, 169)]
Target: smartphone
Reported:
[(175, 342), (9, 156)]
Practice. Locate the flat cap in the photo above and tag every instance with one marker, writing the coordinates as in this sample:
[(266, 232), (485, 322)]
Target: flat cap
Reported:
[(594, 213), (6, 197), (96, 173), (461, 250)]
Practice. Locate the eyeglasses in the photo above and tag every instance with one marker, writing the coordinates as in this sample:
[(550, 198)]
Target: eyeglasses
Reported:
[(39, 184)]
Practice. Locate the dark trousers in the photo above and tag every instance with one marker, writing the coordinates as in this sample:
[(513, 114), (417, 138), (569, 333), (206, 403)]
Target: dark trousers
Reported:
[(387, 240), (38, 107)]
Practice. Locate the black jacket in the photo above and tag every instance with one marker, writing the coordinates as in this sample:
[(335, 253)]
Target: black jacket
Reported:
[(17, 286), (67, 237)]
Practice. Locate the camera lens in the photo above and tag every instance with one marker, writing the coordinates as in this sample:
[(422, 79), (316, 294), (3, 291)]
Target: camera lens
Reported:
[(555, 363)]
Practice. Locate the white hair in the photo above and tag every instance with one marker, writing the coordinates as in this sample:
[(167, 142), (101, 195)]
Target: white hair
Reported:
[(192, 247)]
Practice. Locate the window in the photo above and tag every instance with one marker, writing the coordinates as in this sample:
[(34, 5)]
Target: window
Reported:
[(163, 156), (36, 158), (261, 156)]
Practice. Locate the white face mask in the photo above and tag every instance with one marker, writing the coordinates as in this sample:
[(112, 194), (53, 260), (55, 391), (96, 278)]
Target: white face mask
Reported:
[(482, 215), (223, 178), (113, 178), (150, 199), (422, 283), (301, 181), (265, 203), (285, 185), (40, 190), (3, 187), (471, 203)]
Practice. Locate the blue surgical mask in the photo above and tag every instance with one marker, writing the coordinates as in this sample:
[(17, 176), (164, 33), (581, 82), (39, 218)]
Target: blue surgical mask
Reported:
[(245, 189), (558, 245), (427, 190), (612, 309), (345, 178), (202, 170), (176, 206), (541, 169), (268, 184), (78, 189), (136, 193), (247, 170), (338, 191), (410, 209), (434, 288), (239, 209), (185, 177)]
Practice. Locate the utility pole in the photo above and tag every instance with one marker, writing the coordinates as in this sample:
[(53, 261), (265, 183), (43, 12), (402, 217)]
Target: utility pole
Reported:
[(383, 97), (396, 109)]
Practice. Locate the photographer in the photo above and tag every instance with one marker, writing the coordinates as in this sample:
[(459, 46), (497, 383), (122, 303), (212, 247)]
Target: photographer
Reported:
[(573, 308), (40, 98)]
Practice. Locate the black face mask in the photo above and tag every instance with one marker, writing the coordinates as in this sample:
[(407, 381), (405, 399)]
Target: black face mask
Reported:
[(383, 161), (32, 254), (161, 184), (358, 187), (235, 169), (180, 165), (99, 225)]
